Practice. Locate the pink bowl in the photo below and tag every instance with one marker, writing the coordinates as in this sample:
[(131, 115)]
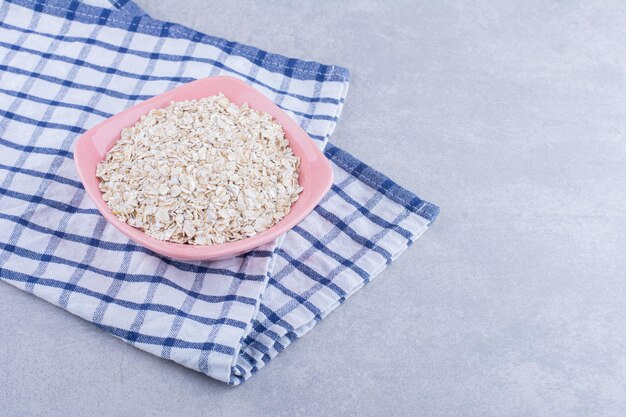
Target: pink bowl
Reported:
[(315, 171)]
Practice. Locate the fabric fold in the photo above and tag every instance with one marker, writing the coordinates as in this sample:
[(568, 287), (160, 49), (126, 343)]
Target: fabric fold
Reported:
[(67, 65)]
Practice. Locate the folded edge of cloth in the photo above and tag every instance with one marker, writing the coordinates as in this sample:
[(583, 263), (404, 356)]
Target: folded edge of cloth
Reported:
[(364, 223)]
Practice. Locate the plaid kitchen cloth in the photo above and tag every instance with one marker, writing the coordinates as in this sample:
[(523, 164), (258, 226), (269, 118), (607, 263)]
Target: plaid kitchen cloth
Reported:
[(67, 65)]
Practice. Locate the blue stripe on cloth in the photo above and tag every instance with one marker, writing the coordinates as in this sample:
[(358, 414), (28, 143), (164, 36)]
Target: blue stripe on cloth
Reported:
[(119, 95), (130, 277), (37, 199), (300, 299), (122, 333), (381, 183), (319, 245), (309, 271), (137, 337), (95, 67), (40, 123), (369, 215), (204, 363), (178, 322), (344, 227), (272, 62), (54, 103), (36, 149), (40, 174), (161, 308), (111, 246), (88, 258), (260, 59), (140, 315)]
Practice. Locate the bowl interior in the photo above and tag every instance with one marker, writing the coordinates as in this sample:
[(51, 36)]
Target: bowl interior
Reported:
[(315, 171)]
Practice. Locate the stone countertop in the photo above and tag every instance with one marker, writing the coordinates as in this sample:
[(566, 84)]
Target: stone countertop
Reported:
[(511, 117)]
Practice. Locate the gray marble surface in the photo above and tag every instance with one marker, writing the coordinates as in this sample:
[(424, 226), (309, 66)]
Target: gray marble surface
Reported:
[(510, 116)]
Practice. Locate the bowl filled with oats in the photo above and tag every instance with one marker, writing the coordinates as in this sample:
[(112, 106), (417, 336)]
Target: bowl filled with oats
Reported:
[(208, 170)]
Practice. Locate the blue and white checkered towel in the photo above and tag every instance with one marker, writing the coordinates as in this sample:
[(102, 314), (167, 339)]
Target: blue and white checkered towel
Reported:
[(67, 65)]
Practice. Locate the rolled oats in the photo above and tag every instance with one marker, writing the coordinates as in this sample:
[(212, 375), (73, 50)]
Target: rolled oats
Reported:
[(201, 172)]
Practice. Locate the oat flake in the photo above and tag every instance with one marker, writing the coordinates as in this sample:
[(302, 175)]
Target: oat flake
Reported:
[(201, 172)]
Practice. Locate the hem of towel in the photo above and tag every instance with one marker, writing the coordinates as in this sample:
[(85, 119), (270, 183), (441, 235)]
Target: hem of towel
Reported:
[(246, 331), (127, 6), (241, 373), (140, 22), (382, 183)]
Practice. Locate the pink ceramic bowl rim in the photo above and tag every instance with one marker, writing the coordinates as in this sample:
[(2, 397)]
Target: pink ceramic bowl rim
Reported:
[(315, 170)]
